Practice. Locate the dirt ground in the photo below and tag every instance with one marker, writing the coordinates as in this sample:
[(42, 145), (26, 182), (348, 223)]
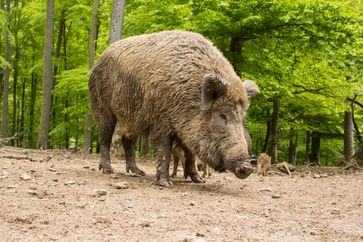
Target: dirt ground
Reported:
[(56, 195)]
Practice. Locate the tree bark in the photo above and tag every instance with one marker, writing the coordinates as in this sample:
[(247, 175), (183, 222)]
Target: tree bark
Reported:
[(236, 50), (267, 137), (117, 20), (274, 127), (315, 148), (48, 81), (5, 108), (360, 157), (348, 137), (33, 93), (293, 147), (307, 147), (87, 133), (144, 147)]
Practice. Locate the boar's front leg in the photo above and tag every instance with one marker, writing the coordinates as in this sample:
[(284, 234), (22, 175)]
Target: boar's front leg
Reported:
[(189, 169), (163, 154), (129, 147)]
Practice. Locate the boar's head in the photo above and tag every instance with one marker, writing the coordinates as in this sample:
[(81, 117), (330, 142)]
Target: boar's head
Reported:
[(222, 141)]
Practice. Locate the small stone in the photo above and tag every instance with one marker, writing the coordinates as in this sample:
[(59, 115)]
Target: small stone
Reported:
[(313, 232), (333, 183), (52, 169), (99, 192), (121, 185), (324, 175), (86, 166), (55, 180), (192, 203), (25, 176), (184, 194), (335, 211), (60, 173), (114, 176), (102, 199), (68, 183), (11, 187), (199, 234), (267, 189), (276, 195), (130, 206), (32, 192), (316, 176), (33, 187), (81, 182), (145, 224)]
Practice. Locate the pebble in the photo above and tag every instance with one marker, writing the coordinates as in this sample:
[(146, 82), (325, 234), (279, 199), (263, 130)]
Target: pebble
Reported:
[(25, 176), (316, 176), (86, 166), (276, 195), (192, 203), (114, 176), (52, 169), (67, 183), (81, 182), (99, 192), (324, 175), (122, 185), (313, 232), (267, 189), (11, 187), (33, 187), (32, 192), (335, 211)]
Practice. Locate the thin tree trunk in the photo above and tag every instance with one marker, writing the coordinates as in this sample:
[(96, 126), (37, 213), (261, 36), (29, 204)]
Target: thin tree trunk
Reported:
[(267, 137), (293, 147), (348, 137), (33, 93), (236, 50), (315, 148), (48, 81), (144, 147), (307, 147), (360, 157), (5, 107), (117, 20), (21, 128), (274, 126), (87, 145)]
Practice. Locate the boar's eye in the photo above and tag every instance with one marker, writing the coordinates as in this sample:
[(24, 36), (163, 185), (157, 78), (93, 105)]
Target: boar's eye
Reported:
[(223, 116)]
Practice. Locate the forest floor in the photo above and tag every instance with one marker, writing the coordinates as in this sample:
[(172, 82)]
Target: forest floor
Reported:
[(56, 195)]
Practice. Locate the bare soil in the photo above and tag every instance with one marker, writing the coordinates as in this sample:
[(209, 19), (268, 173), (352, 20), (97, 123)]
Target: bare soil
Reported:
[(52, 195)]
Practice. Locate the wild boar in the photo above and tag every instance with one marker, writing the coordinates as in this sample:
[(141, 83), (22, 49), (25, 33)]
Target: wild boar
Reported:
[(178, 87), (263, 164)]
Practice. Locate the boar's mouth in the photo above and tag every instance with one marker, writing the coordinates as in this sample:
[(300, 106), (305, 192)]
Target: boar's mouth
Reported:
[(243, 169)]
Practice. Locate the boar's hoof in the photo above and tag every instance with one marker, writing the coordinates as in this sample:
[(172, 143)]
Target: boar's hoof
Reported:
[(196, 178), (135, 170), (164, 183), (243, 171), (105, 169)]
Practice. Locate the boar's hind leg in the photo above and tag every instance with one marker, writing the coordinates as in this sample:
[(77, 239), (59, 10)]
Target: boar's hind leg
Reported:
[(106, 124), (163, 153), (189, 169), (176, 164), (129, 147)]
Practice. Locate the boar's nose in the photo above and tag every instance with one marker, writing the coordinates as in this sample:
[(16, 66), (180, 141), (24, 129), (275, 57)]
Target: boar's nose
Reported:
[(244, 170)]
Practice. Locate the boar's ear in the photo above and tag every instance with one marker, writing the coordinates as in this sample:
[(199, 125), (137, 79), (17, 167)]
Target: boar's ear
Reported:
[(213, 88), (251, 88)]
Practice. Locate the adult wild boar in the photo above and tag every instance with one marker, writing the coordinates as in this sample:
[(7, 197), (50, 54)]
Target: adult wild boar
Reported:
[(178, 87)]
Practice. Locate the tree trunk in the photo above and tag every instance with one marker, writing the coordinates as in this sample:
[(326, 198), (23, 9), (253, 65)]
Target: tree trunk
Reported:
[(236, 50), (360, 157), (21, 128), (48, 81), (315, 148), (293, 147), (348, 137), (307, 147), (117, 20), (87, 133), (274, 126), (5, 107), (144, 147), (267, 137), (33, 93)]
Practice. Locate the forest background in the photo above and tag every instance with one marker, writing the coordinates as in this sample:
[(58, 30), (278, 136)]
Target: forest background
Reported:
[(305, 55)]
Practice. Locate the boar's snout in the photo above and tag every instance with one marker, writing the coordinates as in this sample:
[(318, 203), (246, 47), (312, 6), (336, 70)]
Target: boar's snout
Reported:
[(243, 170)]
